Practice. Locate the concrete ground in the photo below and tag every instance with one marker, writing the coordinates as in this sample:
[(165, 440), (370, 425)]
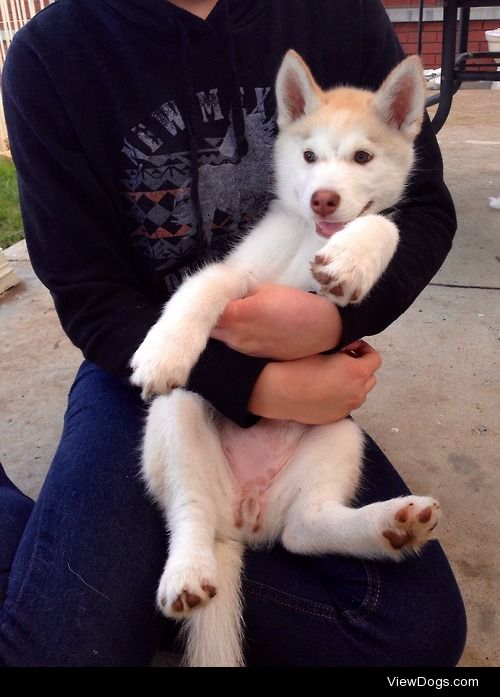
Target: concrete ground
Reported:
[(434, 412)]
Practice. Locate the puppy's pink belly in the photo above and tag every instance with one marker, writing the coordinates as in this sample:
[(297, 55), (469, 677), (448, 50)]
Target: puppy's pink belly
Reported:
[(256, 456)]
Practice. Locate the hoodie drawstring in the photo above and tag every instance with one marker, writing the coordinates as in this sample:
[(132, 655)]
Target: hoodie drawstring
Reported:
[(186, 88), (237, 114), (191, 108)]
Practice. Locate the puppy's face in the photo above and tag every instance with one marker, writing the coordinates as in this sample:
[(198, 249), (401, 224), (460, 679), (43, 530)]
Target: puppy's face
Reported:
[(345, 152)]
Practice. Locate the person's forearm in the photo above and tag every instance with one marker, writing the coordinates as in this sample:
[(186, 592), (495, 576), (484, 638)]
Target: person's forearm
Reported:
[(226, 379), (280, 323), (315, 390)]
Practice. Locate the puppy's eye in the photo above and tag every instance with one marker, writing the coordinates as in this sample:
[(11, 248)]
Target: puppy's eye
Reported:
[(362, 157), (310, 156)]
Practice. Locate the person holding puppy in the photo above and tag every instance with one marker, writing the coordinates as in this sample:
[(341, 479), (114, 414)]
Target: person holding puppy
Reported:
[(141, 154)]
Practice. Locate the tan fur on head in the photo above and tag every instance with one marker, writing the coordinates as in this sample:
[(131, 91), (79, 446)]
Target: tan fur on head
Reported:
[(399, 102)]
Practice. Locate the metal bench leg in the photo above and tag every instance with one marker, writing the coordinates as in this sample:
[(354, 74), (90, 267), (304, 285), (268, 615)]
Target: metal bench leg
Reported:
[(448, 87)]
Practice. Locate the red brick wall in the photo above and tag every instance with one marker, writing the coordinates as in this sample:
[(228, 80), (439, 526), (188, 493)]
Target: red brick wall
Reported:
[(431, 38), (432, 33)]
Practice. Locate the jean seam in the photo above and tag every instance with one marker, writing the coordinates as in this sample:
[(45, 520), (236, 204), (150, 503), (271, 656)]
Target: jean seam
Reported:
[(9, 601), (372, 597), (315, 609), (294, 603)]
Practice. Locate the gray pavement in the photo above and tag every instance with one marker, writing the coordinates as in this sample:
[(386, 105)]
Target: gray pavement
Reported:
[(435, 411)]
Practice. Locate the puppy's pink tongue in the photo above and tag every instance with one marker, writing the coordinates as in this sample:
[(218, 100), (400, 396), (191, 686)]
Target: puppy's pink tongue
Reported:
[(326, 229)]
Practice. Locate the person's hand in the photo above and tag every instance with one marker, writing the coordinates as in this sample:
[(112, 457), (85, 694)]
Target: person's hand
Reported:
[(280, 323), (318, 389)]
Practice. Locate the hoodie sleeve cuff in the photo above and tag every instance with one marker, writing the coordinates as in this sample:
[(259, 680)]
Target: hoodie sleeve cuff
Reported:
[(352, 325), (226, 378)]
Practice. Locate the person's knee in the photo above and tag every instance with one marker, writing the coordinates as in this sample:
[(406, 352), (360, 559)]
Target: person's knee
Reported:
[(447, 609), (446, 627), (433, 623)]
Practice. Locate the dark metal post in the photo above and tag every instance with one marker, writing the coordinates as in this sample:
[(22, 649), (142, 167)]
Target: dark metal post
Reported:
[(447, 63), (420, 27)]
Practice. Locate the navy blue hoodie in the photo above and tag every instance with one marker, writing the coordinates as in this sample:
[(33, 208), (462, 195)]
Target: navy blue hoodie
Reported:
[(142, 139)]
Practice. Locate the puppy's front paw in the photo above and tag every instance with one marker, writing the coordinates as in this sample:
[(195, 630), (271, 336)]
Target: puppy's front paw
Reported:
[(159, 369), (352, 261), (340, 278)]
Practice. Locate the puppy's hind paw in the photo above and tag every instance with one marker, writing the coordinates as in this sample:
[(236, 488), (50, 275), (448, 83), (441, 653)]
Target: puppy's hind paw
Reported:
[(185, 587), (411, 524)]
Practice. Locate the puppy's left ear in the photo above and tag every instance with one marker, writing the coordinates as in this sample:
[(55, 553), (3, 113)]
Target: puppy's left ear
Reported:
[(297, 93), (400, 101)]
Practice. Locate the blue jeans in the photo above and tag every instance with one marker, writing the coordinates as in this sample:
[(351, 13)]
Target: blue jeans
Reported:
[(79, 568)]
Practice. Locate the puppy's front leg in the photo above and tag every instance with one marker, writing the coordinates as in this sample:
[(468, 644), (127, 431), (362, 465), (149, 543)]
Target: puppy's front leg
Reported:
[(352, 261), (173, 345)]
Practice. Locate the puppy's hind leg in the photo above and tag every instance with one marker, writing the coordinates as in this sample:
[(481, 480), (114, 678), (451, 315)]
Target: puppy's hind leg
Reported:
[(184, 469), (326, 470)]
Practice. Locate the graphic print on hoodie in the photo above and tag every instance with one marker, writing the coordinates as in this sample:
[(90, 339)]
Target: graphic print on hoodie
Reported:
[(158, 182)]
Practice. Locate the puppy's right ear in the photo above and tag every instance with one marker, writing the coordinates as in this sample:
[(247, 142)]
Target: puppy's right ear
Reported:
[(297, 93)]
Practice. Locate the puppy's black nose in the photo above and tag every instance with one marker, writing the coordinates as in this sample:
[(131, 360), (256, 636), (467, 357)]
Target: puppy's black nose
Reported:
[(325, 202)]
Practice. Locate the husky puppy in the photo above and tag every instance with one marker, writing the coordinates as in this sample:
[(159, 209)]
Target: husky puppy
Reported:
[(341, 157)]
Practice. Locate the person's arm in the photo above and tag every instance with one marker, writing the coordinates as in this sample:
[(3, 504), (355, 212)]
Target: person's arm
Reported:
[(74, 231), (281, 323), (425, 217), (71, 223), (319, 389)]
